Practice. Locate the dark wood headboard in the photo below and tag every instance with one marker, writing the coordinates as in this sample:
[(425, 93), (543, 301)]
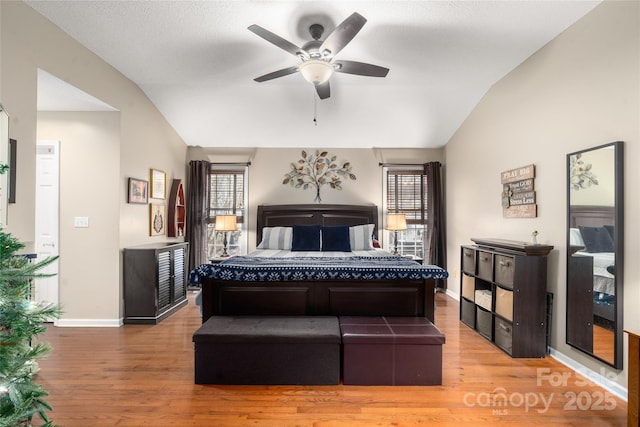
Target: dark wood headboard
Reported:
[(591, 216), (312, 214)]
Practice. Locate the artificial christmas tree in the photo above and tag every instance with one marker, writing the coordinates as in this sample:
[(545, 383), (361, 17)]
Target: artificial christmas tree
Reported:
[(20, 322)]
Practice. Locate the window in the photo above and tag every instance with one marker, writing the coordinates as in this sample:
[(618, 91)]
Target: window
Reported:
[(228, 196), (405, 192)]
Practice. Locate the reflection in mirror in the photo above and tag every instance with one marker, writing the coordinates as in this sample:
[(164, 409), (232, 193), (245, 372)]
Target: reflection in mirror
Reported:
[(4, 159), (594, 251)]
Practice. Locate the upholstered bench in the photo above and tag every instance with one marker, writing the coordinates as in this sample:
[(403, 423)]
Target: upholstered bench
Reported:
[(268, 350), (391, 351)]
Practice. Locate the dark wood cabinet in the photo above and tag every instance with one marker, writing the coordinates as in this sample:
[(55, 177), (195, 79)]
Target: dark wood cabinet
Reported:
[(177, 214), (155, 281), (504, 294)]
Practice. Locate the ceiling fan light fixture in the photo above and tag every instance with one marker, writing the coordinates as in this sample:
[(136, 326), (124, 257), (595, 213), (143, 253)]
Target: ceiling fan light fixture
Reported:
[(316, 71)]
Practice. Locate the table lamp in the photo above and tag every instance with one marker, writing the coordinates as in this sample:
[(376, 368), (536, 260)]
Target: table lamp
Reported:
[(225, 223), (396, 222)]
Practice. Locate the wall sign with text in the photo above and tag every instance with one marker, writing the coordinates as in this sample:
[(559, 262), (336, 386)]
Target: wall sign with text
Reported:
[(518, 193)]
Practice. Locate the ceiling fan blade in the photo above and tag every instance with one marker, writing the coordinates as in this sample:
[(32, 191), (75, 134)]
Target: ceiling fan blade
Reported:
[(278, 41), (360, 68), (324, 91), (342, 35), (276, 74)]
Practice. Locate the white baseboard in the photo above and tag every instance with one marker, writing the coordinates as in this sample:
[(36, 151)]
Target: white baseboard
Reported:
[(453, 295), (88, 323), (598, 378)]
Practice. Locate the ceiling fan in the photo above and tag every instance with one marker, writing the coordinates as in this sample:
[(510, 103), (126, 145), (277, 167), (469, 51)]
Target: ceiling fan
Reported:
[(318, 56)]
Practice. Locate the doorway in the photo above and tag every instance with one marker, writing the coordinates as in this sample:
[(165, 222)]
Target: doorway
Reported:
[(47, 218)]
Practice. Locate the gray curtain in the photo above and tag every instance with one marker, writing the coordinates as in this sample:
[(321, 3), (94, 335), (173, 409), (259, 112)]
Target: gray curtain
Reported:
[(436, 232), (198, 212)]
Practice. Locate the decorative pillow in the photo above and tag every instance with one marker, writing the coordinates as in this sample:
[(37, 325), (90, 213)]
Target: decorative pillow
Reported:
[(611, 230), (596, 239), (276, 238), (361, 237), (575, 238), (336, 238), (306, 238)]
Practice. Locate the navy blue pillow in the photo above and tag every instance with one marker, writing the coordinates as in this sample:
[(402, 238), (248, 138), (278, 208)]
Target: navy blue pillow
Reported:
[(306, 238), (596, 239), (336, 238), (610, 230)]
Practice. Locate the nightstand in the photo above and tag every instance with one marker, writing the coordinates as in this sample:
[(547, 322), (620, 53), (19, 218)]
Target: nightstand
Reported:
[(415, 258)]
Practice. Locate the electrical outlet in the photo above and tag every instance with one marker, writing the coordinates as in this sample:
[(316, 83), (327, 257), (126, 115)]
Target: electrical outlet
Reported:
[(81, 222)]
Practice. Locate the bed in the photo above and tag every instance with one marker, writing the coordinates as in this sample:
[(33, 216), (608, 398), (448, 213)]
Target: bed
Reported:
[(591, 235), (365, 282)]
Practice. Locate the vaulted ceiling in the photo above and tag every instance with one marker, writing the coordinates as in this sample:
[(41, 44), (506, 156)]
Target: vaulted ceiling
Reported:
[(196, 61)]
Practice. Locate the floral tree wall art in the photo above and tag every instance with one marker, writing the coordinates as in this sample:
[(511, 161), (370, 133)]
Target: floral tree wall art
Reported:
[(316, 170), (580, 174)]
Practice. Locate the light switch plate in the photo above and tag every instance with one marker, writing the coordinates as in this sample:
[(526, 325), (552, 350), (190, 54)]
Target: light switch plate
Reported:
[(81, 221)]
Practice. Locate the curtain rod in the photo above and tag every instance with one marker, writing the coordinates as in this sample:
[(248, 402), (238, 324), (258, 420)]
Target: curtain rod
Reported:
[(398, 164), (232, 164), (405, 164)]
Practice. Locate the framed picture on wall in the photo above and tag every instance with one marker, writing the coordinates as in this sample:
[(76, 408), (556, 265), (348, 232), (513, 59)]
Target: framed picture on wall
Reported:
[(138, 191), (157, 220), (158, 184)]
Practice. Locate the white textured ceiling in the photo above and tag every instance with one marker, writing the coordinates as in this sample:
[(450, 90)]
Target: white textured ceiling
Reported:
[(196, 61)]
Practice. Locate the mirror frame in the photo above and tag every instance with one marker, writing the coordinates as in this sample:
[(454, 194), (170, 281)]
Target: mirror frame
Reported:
[(4, 158), (618, 216)]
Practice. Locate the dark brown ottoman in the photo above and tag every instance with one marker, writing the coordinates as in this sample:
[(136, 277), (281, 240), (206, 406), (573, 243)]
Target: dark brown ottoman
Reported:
[(391, 351), (268, 350)]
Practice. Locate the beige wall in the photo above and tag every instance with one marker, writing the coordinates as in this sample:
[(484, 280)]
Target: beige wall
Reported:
[(269, 165), (579, 91), (145, 140), (89, 186)]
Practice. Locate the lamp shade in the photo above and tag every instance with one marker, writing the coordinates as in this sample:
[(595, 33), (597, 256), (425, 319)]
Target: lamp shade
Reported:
[(226, 223), (396, 222), (316, 71)]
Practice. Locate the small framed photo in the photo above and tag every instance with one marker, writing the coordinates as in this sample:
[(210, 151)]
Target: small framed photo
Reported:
[(158, 184), (138, 191), (157, 220)]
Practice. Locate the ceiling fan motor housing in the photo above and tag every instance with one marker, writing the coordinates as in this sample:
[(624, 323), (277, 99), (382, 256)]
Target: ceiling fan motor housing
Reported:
[(318, 55)]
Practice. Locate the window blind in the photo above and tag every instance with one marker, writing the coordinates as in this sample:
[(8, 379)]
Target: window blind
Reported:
[(407, 194), (227, 193)]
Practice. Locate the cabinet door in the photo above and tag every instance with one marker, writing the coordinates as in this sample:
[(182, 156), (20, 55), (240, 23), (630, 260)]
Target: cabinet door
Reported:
[(164, 280), (580, 310), (179, 277)]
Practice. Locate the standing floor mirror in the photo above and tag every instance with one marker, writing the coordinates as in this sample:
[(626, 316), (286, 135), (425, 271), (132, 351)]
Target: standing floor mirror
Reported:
[(595, 244)]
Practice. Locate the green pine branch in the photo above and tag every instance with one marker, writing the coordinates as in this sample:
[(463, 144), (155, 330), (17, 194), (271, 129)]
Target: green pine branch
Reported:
[(21, 321)]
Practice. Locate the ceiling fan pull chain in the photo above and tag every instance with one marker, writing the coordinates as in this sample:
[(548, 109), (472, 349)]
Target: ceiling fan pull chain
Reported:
[(315, 109)]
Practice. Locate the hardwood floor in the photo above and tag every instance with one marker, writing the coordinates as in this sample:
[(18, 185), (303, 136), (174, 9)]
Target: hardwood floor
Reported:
[(142, 375)]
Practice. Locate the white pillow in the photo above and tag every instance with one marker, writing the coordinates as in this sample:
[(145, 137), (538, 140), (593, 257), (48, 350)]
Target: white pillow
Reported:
[(575, 237), (361, 237), (276, 238)]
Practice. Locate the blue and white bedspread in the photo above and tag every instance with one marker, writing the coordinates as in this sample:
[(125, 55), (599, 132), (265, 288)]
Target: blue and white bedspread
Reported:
[(281, 266)]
